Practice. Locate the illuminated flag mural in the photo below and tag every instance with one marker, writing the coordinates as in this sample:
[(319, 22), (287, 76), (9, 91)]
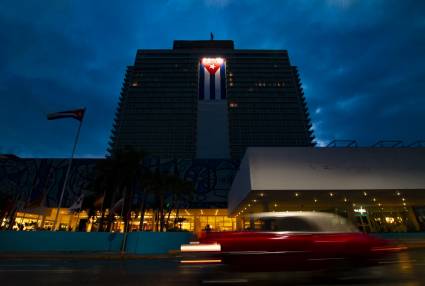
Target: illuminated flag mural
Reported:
[(212, 79)]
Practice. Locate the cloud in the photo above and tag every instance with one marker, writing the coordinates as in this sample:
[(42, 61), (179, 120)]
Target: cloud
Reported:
[(362, 62), (217, 3)]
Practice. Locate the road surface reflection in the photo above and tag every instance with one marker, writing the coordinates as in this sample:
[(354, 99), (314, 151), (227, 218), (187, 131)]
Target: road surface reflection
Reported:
[(405, 269)]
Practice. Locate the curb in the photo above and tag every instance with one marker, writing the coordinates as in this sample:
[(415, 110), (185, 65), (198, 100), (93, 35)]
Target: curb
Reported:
[(413, 244), (172, 254), (84, 256)]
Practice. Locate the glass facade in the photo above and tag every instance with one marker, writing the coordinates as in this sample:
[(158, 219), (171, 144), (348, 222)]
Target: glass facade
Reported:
[(193, 220), (365, 218)]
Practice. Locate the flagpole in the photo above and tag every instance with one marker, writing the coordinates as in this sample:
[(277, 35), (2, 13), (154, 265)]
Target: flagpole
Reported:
[(25, 205), (101, 211), (67, 174)]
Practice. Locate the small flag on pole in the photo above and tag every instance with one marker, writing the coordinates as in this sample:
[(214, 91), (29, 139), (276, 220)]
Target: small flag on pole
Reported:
[(118, 204), (77, 205), (99, 201), (76, 114)]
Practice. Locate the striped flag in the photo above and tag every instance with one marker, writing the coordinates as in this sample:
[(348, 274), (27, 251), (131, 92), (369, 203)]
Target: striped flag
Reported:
[(99, 201), (117, 205), (77, 205), (212, 79), (76, 114)]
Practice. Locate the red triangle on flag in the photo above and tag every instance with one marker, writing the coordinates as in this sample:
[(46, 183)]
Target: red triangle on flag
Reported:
[(212, 68), (212, 64)]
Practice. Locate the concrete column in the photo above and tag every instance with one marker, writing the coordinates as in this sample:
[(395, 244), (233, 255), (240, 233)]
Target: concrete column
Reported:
[(251, 223), (368, 221), (239, 223), (350, 213), (43, 218), (265, 204), (413, 219)]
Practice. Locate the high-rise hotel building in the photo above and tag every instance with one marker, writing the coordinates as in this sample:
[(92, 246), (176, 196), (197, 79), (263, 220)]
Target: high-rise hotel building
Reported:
[(208, 100)]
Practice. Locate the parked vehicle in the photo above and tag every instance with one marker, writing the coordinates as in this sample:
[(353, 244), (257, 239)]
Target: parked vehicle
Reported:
[(290, 241)]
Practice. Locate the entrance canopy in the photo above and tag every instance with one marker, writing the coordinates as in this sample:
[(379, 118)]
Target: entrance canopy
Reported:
[(306, 175)]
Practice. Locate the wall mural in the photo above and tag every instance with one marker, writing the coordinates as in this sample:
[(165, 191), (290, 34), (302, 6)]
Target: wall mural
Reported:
[(212, 178), (39, 181)]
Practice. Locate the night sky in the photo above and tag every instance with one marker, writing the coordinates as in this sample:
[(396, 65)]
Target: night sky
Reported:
[(362, 63)]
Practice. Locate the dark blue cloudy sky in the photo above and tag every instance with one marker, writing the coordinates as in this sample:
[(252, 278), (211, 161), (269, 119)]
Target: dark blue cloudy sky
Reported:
[(362, 63)]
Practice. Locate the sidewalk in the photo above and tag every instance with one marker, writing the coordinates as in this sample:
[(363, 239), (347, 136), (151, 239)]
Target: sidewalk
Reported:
[(409, 243), (411, 240)]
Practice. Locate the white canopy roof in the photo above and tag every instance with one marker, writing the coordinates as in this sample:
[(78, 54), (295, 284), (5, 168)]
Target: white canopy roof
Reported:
[(316, 169)]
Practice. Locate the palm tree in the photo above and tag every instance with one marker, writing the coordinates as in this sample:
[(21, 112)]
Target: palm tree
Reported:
[(185, 193), (131, 170), (182, 192), (7, 206), (169, 193), (122, 175), (118, 175), (102, 188), (150, 181)]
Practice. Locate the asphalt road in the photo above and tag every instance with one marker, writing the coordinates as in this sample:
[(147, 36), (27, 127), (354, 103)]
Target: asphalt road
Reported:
[(407, 269)]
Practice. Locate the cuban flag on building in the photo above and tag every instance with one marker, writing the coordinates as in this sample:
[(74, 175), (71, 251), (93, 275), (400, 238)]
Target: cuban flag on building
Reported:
[(212, 79)]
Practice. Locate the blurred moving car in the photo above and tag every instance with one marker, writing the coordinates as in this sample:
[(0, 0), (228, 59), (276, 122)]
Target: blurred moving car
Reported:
[(279, 241)]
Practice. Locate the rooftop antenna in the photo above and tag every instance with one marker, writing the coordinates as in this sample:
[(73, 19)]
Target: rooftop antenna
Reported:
[(212, 36)]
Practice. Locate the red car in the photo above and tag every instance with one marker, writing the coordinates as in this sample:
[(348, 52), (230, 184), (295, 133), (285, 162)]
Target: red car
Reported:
[(279, 241)]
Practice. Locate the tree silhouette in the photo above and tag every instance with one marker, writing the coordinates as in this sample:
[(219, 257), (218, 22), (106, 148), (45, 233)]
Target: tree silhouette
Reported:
[(117, 177), (123, 175)]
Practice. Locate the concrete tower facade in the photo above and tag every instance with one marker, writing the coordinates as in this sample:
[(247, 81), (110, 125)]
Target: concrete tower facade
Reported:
[(208, 100)]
